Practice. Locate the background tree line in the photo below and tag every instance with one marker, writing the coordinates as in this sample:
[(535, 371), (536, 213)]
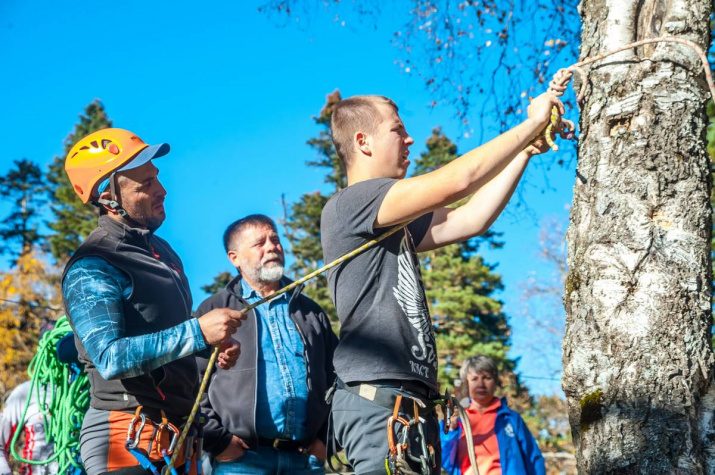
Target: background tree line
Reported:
[(47, 222)]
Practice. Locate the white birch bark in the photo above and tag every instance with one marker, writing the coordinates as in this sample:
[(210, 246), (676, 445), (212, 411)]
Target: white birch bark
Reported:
[(637, 355)]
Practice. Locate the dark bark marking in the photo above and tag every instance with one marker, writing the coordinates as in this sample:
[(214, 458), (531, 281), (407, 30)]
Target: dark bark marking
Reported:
[(591, 406)]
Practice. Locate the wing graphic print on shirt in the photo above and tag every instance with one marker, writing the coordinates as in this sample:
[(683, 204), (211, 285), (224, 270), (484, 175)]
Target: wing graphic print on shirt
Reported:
[(411, 298)]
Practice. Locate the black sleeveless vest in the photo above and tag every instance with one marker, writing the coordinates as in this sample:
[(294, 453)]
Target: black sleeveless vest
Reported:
[(160, 299)]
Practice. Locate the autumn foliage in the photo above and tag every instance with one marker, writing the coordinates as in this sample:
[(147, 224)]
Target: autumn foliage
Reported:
[(30, 298)]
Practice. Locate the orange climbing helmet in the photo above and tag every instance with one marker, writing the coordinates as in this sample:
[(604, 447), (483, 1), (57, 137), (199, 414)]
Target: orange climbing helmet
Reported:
[(94, 158)]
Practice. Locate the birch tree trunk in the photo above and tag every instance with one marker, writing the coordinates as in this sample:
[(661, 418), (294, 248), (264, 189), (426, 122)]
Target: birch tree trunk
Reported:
[(637, 355)]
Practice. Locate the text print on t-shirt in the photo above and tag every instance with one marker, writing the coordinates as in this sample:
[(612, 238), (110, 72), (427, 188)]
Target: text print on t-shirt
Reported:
[(410, 295)]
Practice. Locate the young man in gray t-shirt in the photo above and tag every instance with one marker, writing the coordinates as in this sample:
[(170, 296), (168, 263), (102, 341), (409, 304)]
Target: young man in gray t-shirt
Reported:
[(387, 344)]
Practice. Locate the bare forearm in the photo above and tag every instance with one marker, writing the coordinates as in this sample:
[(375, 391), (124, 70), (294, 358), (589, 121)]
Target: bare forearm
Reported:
[(450, 225), (485, 206), (482, 165), (464, 176)]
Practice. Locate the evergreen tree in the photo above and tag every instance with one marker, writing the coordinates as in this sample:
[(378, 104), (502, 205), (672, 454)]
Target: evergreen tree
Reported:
[(73, 220), (25, 188), (459, 286), (219, 283), (303, 222)]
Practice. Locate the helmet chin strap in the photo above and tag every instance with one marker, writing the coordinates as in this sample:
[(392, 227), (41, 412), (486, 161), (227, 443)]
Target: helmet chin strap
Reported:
[(114, 203)]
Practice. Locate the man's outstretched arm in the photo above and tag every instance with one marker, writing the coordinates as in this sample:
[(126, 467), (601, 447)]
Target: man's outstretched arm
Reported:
[(413, 197), (94, 291), (475, 217)]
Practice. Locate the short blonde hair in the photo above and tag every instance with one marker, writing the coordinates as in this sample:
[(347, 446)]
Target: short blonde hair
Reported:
[(352, 115)]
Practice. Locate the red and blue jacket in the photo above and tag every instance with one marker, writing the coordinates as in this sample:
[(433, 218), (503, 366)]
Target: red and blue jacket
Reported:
[(518, 452)]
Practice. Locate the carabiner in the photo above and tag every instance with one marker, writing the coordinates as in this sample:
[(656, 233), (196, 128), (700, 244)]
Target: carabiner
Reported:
[(165, 424), (134, 436)]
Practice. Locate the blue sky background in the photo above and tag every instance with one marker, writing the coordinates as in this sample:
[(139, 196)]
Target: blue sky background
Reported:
[(234, 95)]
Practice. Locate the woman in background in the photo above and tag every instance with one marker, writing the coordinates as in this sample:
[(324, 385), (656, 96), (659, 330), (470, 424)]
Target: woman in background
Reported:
[(502, 442)]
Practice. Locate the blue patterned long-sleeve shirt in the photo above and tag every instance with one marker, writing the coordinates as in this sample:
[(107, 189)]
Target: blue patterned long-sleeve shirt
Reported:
[(94, 292)]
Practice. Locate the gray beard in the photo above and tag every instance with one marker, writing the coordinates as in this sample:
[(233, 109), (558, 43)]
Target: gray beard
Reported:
[(267, 274)]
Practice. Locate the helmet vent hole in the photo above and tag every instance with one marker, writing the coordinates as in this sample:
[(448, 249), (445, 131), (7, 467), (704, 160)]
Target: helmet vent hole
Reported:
[(84, 148), (74, 154), (94, 144), (105, 142)]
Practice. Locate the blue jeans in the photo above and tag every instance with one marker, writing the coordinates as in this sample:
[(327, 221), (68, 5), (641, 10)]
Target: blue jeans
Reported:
[(267, 461)]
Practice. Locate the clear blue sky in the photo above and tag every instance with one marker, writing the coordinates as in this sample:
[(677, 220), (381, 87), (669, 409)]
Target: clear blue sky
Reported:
[(234, 96)]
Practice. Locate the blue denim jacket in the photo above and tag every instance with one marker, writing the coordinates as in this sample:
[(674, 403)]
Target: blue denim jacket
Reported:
[(282, 393), (93, 291)]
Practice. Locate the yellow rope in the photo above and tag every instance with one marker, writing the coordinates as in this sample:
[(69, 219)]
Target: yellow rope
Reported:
[(564, 76)]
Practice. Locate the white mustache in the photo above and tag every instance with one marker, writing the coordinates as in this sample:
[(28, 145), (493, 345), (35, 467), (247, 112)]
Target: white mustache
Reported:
[(271, 257)]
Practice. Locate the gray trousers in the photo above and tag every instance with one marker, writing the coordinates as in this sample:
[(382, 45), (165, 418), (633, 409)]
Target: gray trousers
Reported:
[(360, 427)]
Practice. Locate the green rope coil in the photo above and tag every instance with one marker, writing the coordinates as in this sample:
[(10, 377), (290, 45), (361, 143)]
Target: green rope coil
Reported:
[(62, 403)]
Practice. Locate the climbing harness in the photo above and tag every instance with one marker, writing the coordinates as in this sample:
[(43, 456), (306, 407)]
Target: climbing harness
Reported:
[(268, 298), (401, 446), (563, 76), (165, 430), (62, 393)]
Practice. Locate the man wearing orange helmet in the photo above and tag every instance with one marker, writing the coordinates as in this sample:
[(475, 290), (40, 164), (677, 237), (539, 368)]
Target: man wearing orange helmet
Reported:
[(129, 303)]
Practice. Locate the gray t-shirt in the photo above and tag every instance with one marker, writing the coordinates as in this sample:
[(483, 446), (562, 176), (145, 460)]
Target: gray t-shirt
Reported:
[(386, 331)]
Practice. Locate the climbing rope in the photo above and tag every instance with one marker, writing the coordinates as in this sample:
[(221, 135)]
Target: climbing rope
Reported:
[(268, 298), (467, 425), (62, 393), (561, 79)]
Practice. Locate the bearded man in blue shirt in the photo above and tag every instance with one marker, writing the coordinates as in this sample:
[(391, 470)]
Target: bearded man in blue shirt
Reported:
[(268, 414)]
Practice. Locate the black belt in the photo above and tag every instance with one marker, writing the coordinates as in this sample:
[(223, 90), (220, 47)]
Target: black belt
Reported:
[(281, 445), (386, 396)]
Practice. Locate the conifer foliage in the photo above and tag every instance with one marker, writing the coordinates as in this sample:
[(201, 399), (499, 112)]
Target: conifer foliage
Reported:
[(302, 222), (24, 187), (460, 286)]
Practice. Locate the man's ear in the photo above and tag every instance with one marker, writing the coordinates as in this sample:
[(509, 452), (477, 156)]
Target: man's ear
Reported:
[(233, 257), (107, 196), (362, 143)]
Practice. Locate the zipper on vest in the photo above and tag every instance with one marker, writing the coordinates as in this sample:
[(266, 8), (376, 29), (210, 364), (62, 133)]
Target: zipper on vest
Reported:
[(161, 393)]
